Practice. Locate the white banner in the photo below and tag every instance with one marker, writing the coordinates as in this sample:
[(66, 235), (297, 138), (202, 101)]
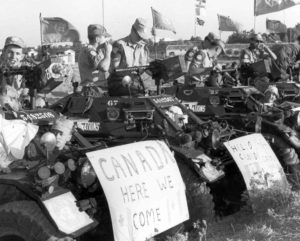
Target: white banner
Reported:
[(143, 187), (257, 162)]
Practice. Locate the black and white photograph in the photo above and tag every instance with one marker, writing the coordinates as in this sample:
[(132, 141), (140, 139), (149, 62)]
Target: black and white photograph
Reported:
[(150, 120)]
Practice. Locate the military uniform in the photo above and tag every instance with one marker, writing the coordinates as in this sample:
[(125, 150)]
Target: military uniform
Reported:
[(129, 54), (287, 55), (88, 62), (16, 81), (201, 60), (252, 55), (91, 57)]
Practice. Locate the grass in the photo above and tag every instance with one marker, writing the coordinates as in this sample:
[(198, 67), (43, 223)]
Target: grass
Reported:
[(273, 215)]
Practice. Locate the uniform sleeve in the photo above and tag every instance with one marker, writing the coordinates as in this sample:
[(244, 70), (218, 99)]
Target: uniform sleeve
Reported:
[(282, 60), (189, 55), (244, 56), (116, 53), (94, 58), (197, 62)]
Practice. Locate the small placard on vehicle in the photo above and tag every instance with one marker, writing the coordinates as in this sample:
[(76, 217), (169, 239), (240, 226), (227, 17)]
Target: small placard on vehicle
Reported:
[(88, 126), (37, 116), (164, 100), (66, 214), (195, 107)]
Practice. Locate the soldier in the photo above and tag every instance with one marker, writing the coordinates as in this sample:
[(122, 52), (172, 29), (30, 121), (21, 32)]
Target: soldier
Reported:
[(256, 51), (209, 40), (94, 59), (132, 50), (203, 62), (288, 59), (13, 58), (271, 95)]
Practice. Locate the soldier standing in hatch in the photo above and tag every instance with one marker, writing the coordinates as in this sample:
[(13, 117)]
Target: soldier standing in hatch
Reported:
[(13, 58), (94, 59), (203, 62), (209, 40), (132, 50), (256, 51)]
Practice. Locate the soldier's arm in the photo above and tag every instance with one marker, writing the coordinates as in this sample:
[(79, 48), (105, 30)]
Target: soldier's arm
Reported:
[(196, 66), (269, 52), (116, 55), (100, 61)]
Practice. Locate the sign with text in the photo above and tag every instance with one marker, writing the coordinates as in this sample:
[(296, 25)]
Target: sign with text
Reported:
[(257, 162), (143, 187)]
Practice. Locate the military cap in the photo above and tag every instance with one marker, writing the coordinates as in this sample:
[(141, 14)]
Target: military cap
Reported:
[(221, 44), (140, 26), (16, 41), (256, 37), (211, 37), (272, 89), (97, 30)]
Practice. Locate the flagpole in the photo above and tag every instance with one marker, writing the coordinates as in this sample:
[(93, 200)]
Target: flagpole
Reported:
[(41, 34), (284, 17), (103, 13), (254, 27)]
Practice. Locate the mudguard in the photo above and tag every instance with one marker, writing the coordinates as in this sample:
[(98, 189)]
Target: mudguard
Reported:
[(60, 203)]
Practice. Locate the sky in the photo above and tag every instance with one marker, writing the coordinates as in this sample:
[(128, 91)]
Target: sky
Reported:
[(21, 17)]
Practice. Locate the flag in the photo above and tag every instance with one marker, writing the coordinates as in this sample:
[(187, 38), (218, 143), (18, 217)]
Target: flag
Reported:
[(56, 30), (161, 22), (226, 24), (200, 22), (275, 26), (270, 6), (200, 11)]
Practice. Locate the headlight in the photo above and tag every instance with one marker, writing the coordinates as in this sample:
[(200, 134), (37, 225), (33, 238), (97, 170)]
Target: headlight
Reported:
[(298, 120), (49, 141), (88, 175), (126, 81), (215, 139)]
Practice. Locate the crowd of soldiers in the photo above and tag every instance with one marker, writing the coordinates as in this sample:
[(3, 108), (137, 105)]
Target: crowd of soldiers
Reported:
[(100, 57)]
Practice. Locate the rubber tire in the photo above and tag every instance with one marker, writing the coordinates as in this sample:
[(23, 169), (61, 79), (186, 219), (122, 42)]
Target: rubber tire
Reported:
[(25, 220), (199, 199), (289, 160)]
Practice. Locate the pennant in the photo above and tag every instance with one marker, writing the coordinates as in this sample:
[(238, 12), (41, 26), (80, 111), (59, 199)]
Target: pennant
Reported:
[(200, 22), (161, 22), (270, 6), (275, 26), (226, 24), (56, 30), (200, 11)]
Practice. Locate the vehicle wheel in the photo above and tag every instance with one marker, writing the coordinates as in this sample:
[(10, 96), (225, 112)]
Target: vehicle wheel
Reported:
[(289, 160), (25, 221), (200, 201)]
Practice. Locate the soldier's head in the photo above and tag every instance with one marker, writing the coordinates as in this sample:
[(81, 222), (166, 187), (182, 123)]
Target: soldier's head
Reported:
[(63, 129), (97, 34), (271, 94), (140, 31), (209, 40), (255, 41), (216, 48), (13, 52)]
